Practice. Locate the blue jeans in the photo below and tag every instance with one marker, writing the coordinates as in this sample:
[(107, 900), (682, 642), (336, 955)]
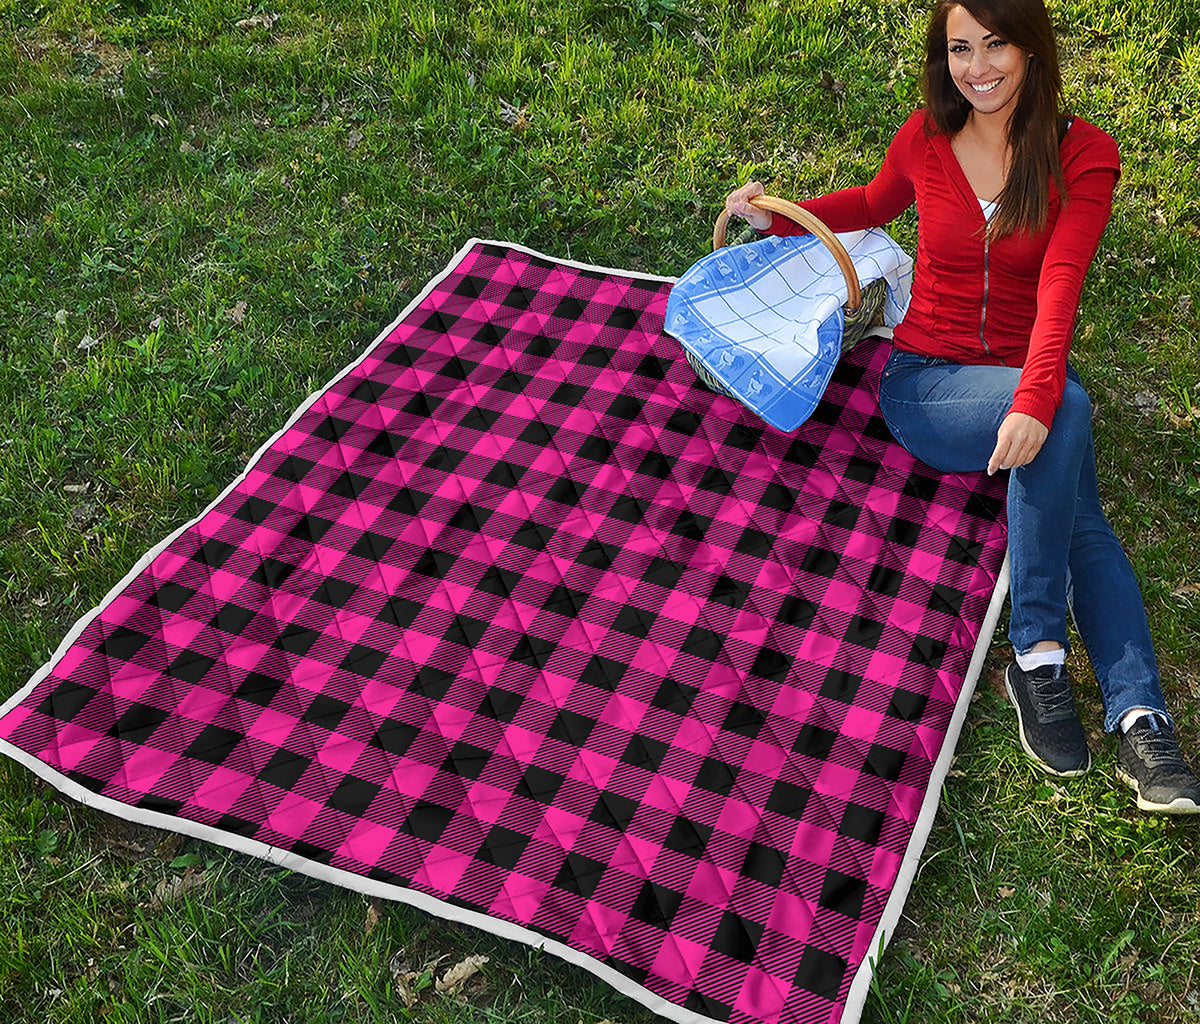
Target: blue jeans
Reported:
[(1062, 550)]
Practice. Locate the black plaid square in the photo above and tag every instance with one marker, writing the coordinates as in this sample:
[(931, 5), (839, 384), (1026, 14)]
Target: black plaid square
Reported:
[(691, 526), (773, 665), (716, 776), (662, 572), (258, 688), (820, 973), (704, 643), (842, 513), (539, 784), (841, 686), (500, 704), (820, 561), (688, 837), (353, 796), (571, 727), (123, 644), (580, 875), (843, 894), (231, 618), (788, 799), (674, 696), (603, 672), (427, 821), (884, 762), (656, 905), (744, 719), (537, 433), (310, 528), (466, 759), (906, 705), (502, 847), (190, 666), (394, 737), (272, 572), (137, 723), (432, 682), (214, 744), (614, 811), (797, 611), (284, 769), (171, 597), (399, 612), (815, 741), (634, 621), (885, 581), (764, 864), (778, 497), (737, 937), (644, 752), (325, 711)]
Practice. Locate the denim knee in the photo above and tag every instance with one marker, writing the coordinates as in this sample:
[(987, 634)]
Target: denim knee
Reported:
[(1072, 426)]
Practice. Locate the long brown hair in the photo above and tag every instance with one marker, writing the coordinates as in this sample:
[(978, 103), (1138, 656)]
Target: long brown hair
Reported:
[(1036, 125)]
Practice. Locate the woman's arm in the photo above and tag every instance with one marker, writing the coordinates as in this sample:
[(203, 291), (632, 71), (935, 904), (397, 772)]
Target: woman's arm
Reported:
[(1072, 247)]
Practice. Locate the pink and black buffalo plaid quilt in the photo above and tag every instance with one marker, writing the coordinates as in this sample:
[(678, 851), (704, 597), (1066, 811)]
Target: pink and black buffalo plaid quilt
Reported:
[(517, 622)]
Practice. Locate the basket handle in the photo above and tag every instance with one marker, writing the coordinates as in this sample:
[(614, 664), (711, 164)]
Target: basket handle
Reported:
[(806, 220)]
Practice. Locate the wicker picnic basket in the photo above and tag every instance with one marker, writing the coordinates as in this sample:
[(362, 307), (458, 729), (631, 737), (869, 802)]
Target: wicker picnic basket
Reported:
[(864, 306)]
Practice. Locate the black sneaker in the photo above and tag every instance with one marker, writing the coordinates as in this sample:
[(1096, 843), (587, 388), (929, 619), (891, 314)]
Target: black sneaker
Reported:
[(1051, 732), (1149, 760)]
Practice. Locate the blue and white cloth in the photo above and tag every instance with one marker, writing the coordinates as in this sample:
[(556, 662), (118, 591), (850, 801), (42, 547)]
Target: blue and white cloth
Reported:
[(765, 319)]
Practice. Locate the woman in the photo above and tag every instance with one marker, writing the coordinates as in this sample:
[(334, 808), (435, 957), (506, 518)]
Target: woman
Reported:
[(1012, 198)]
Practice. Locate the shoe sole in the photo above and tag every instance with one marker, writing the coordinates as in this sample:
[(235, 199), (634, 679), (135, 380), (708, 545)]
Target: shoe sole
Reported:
[(1073, 773), (1180, 805)]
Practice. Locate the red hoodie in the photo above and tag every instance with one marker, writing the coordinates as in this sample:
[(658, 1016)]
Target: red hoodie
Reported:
[(1010, 301)]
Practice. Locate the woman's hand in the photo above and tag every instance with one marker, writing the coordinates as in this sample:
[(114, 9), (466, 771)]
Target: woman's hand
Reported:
[(1018, 440), (737, 204)]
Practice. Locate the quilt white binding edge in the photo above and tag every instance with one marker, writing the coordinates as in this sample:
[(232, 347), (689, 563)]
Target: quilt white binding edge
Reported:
[(859, 987)]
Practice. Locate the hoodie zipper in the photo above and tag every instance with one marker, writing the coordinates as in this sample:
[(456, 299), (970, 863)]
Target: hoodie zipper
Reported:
[(983, 309)]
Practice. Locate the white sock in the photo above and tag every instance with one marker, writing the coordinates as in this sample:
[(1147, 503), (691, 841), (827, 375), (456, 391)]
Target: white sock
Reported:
[(1130, 717), (1036, 659)]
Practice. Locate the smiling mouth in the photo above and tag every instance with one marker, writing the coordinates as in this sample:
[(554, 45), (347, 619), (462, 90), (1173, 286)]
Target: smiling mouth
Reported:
[(988, 87)]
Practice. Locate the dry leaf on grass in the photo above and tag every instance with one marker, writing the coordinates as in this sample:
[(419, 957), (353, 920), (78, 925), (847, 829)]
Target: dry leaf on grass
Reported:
[(257, 21), (1145, 401), (460, 972), (354, 139), (87, 341), (408, 982), (238, 313), (512, 115), (374, 912), (171, 889), (1006, 892), (831, 84), (404, 986), (158, 120)]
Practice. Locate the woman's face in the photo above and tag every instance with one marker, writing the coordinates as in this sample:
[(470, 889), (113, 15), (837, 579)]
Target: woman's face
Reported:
[(987, 69)]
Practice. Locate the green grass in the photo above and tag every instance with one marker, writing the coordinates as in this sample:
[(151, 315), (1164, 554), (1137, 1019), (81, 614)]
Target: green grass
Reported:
[(160, 167)]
